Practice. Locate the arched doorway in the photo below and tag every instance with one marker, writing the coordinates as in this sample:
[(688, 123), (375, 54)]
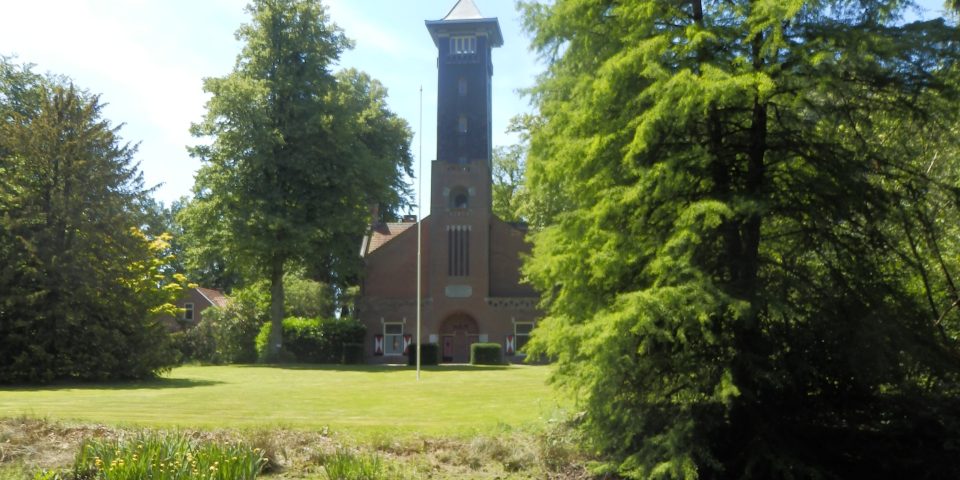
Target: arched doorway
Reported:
[(457, 332)]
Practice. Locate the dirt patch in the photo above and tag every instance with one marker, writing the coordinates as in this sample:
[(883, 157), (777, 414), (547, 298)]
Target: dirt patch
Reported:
[(33, 444)]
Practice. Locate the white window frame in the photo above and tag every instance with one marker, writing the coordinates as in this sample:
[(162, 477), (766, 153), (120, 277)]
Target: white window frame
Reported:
[(188, 312), (517, 345), (463, 45), (390, 339)]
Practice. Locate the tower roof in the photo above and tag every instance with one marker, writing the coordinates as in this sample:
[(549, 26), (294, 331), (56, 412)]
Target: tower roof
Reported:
[(465, 17), (464, 10)]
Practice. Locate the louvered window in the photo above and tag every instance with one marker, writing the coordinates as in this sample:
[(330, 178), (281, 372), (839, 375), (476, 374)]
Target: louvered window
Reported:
[(458, 242), (463, 45)]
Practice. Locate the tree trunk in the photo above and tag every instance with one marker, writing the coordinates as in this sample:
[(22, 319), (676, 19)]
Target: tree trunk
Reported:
[(276, 309)]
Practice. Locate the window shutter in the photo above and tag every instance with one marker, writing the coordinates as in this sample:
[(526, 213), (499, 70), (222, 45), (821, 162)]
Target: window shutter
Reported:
[(510, 345), (378, 344), (406, 343)]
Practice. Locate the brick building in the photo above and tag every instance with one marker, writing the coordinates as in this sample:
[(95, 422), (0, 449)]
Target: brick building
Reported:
[(470, 258), (193, 301)]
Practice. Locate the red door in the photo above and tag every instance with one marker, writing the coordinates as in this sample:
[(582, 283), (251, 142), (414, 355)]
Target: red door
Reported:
[(457, 331), (448, 348)]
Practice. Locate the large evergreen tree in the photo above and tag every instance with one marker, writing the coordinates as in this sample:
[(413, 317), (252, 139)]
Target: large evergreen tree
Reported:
[(298, 153), (81, 287), (726, 196)]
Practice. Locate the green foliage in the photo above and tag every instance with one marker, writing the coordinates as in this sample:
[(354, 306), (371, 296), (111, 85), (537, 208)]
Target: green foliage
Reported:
[(353, 353), (347, 465), (509, 164), (429, 356), (298, 154), (306, 298), (81, 286), (741, 216), (227, 334), (313, 340), (166, 457), (486, 354)]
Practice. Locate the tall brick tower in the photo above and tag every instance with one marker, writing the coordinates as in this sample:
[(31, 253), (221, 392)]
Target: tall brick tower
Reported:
[(460, 177), (470, 258)]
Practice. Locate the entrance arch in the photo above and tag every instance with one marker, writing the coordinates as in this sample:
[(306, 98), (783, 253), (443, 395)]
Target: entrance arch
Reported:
[(457, 332)]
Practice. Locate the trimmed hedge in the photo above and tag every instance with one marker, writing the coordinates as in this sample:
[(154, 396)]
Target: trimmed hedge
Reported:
[(316, 340), (430, 355), (352, 353), (486, 354)]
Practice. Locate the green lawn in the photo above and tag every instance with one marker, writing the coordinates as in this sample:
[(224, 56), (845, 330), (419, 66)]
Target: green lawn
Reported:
[(354, 400)]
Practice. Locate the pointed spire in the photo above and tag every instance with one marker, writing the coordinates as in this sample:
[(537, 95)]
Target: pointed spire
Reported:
[(464, 10), (465, 17)]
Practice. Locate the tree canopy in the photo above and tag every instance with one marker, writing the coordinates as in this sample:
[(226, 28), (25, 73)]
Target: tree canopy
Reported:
[(81, 286), (509, 164), (744, 219), (298, 153)]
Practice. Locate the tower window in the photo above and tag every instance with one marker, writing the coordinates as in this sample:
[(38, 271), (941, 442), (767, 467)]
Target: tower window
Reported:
[(462, 87), (462, 124), (459, 198), (458, 250), (463, 45)]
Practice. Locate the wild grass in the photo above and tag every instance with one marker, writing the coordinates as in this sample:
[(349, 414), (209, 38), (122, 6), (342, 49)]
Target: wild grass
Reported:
[(345, 464), (161, 457), (508, 454)]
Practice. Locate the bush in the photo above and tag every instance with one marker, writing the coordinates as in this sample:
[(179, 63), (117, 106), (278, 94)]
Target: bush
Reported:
[(486, 354), (314, 340), (430, 355), (353, 353), (226, 334)]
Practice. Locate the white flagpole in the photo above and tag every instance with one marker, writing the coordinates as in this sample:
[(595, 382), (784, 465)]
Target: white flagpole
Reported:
[(419, 222)]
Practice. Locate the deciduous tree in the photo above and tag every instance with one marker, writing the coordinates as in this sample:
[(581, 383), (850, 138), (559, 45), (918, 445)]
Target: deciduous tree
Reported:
[(298, 152)]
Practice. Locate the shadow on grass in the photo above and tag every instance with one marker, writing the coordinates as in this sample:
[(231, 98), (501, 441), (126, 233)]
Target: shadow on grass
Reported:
[(152, 384), (376, 368)]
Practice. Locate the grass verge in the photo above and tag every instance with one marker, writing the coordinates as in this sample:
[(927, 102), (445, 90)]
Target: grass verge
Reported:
[(363, 401)]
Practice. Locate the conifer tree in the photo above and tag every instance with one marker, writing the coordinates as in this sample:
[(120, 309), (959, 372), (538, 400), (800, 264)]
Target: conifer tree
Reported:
[(720, 245), (81, 288)]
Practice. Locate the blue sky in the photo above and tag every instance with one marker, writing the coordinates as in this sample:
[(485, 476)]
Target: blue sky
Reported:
[(147, 59)]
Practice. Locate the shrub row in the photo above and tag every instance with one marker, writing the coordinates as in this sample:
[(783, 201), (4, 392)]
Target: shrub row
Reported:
[(486, 354), (316, 340), (430, 355)]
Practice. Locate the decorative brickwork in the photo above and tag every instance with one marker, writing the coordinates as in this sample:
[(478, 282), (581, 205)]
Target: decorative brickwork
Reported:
[(470, 258)]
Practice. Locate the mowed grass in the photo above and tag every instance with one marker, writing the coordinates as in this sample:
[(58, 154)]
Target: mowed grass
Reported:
[(358, 401)]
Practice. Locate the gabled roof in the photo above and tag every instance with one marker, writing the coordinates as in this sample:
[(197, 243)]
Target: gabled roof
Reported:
[(383, 233), (463, 10), (215, 297)]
